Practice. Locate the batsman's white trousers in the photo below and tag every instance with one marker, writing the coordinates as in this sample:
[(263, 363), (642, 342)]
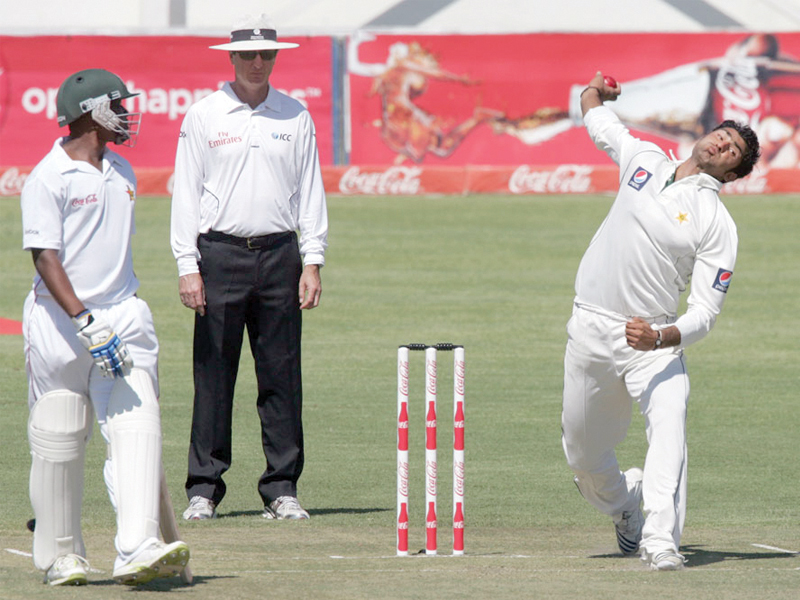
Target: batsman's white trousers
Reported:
[(56, 360), (602, 378)]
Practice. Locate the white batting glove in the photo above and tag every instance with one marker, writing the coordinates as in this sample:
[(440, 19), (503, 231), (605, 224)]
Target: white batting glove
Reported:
[(110, 353)]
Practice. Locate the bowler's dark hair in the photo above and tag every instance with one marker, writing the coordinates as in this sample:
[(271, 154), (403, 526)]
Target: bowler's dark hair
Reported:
[(751, 153)]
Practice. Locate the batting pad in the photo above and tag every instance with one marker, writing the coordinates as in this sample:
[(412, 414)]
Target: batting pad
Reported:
[(59, 425), (133, 467)]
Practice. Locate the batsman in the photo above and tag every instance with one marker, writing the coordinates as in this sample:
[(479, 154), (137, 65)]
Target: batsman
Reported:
[(626, 341), (90, 345)]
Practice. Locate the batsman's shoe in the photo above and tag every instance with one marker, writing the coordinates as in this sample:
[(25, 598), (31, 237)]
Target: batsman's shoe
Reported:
[(629, 523), (70, 569), (285, 507), (666, 560), (155, 559), (200, 509)]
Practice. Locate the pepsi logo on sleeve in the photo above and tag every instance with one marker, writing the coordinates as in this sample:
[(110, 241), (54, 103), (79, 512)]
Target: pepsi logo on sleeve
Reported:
[(723, 280), (639, 178)]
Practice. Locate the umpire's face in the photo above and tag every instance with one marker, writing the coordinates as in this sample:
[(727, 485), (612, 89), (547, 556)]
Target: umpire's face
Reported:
[(253, 68), (719, 152)]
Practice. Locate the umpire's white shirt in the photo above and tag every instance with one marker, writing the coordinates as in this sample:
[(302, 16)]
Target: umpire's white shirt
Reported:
[(247, 172), (656, 238), (87, 216)]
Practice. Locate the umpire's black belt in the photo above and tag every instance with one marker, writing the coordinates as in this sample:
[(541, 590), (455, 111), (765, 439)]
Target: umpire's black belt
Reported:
[(259, 242)]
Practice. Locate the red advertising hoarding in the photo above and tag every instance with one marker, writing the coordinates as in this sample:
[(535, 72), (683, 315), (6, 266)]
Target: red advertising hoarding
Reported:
[(438, 114), (513, 100), (170, 73)]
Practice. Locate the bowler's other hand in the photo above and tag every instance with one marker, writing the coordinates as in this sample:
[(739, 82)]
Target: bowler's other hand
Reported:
[(310, 287), (640, 335), (193, 292)]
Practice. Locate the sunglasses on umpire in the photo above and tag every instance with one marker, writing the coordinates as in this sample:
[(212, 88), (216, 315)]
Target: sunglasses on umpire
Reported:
[(249, 55)]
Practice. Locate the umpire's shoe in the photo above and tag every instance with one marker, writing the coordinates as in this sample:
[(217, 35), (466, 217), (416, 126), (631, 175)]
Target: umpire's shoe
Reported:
[(629, 523), (285, 507), (200, 509)]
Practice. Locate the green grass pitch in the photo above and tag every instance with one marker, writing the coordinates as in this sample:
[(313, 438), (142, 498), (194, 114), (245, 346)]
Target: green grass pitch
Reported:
[(493, 273)]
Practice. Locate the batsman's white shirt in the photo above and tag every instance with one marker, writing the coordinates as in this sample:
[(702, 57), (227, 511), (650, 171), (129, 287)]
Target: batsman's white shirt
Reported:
[(655, 239), (247, 172), (87, 216)]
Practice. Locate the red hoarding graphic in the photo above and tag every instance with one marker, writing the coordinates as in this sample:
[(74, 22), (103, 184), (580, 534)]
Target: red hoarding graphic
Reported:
[(514, 99), (438, 114), (170, 73)]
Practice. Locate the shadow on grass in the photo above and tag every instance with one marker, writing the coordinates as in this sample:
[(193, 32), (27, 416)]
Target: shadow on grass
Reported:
[(348, 511), (311, 511), (165, 584), (697, 556)]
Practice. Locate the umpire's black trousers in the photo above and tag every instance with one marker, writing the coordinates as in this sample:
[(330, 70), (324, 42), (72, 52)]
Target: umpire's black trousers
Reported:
[(250, 283)]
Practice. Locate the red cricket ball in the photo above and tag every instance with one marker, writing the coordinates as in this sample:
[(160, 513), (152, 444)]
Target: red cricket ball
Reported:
[(610, 81)]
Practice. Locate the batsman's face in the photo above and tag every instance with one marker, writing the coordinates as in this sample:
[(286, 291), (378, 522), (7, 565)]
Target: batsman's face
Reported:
[(719, 152)]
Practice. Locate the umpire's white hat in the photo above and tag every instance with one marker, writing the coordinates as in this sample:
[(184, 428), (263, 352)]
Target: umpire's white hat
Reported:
[(254, 33)]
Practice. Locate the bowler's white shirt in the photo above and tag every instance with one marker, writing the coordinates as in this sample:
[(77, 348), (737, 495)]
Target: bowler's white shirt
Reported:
[(247, 172), (655, 239), (87, 216)]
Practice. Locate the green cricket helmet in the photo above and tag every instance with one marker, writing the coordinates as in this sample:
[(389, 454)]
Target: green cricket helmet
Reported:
[(93, 91)]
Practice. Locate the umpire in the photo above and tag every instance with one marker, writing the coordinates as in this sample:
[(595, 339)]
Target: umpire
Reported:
[(247, 177)]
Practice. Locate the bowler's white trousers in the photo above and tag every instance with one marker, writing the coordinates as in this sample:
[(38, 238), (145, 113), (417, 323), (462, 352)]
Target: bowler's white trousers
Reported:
[(602, 378)]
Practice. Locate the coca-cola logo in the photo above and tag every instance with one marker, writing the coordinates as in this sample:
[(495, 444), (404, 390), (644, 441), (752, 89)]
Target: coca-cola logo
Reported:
[(431, 469), (90, 199), (738, 85), (755, 183), (402, 481), (11, 182), (430, 369), (459, 374), (458, 478), (392, 181), (564, 179), (402, 380)]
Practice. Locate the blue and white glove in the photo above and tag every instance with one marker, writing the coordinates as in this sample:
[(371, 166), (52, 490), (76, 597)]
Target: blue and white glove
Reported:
[(110, 353)]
